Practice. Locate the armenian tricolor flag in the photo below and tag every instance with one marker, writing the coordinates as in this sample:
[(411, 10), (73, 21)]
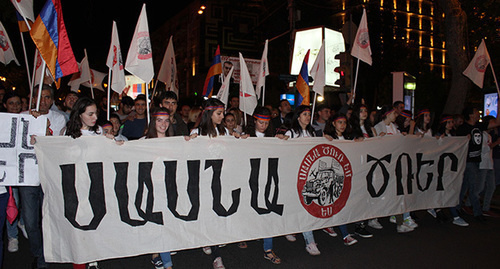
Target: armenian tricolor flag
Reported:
[(303, 83), (139, 89), (51, 39), (22, 24), (214, 70)]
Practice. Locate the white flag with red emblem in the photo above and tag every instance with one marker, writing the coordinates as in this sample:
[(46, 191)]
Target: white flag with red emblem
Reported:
[(97, 80), (263, 71), (361, 48), (6, 52), (115, 62), (248, 100), (168, 69), (140, 55), (477, 67), (318, 71)]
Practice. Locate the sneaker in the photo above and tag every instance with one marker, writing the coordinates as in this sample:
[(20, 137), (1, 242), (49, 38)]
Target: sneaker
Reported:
[(207, 250), (290, 237), (403, 228), (313, 249), (460, 222), (349, 240), (94, 265), (269, 255), (330, 232), (172, 253), (392, 219), (432, 212), (375, 224), (410, 222), (157, 262), (218, 263), (13, 245), (361, 231), (23, 229), (490, 213)]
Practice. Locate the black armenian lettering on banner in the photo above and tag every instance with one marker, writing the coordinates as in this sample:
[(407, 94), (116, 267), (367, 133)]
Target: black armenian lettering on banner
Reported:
[(13, 130), (193, 188), (454, 168), (25, 141), (421, 163), (399, 175), (216, 190), (272, 206), (96, 195), (385, 173)]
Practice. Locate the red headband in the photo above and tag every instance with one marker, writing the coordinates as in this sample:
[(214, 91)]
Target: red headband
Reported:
[(107, 125), (406, 115), (213, 107), (388, 112), (262, 117), (161, 113), (445, 119), (340, 118), (423, 111)]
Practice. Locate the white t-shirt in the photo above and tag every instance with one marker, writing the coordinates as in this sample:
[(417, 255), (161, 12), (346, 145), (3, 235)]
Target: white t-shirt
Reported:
[(427, 134), (92, 133), (486, 153)]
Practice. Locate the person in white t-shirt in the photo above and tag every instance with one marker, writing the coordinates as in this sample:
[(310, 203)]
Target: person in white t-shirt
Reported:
[(387, 126), (423, 123)]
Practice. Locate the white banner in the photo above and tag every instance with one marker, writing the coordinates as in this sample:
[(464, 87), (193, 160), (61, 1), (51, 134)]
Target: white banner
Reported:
[(169, 194), (18, 165)]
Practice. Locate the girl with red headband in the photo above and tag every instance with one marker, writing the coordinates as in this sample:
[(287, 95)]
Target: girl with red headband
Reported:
[(301, 127), (158, 126), (423, 123), (405, 123), (335, 128), (387, 126), (260, 126)]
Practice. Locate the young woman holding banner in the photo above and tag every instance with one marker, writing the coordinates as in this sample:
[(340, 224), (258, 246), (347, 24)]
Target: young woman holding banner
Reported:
[(211, 125), (260, 126), (301, 127)]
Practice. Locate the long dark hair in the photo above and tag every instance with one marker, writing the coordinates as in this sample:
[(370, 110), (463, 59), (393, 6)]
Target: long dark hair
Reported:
[(207, 125), (355, 123), (295, 121), (330, 129), (442, 125), (74, 125), (419, 120), (400, 121), (151, 131), (260, 111)]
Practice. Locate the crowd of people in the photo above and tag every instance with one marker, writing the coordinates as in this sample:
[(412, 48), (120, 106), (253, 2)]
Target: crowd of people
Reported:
[(81, 116)]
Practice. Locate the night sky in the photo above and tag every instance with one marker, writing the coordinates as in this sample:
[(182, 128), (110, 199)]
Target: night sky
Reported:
[(89, 24)]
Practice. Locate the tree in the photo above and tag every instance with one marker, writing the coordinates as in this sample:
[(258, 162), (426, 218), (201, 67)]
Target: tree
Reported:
[(456, 45)]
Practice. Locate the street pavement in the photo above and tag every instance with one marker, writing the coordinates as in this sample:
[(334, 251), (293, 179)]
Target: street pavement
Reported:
[(431, 245)]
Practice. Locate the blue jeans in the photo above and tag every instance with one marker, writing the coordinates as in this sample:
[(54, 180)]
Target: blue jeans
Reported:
[(471, 177), (166, 259), (4, 198), (343, 230), (31, 202), (308, 237), (486, 184), (268, 244)]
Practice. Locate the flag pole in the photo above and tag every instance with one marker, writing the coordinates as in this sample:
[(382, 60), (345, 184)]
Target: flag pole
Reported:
[(40, 85), (26, 61), (33, 76), (147, 101), (109, 87), (263, 92), (314, 104), (355, 83), (154, 89)]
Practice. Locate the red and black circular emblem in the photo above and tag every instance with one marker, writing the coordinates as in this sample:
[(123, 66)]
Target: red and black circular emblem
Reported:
[(324, 181)]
